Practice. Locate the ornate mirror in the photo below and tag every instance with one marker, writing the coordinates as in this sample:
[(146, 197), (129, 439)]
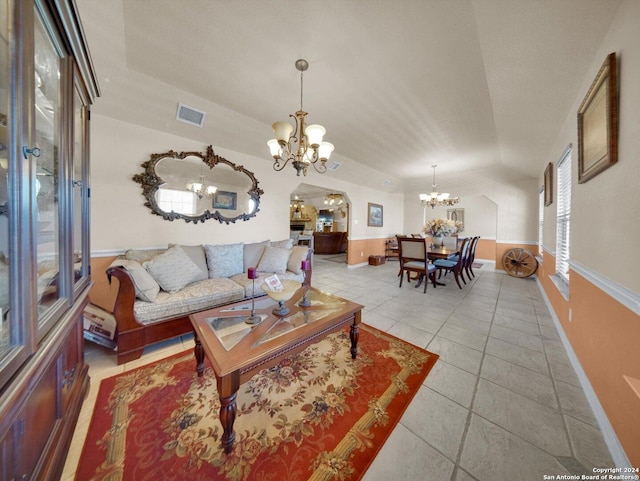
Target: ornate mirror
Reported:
[(195, 187)]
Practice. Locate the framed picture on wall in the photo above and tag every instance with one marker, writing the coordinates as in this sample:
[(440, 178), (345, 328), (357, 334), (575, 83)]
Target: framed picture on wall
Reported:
[(598, 123), (456, 215), (548, 185), (225, 200), (374, 215)]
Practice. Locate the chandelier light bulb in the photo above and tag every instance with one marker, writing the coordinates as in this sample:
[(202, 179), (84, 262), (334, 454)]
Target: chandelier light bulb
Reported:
[(314, 135), (324, 151), (274, 148), (283, 131)]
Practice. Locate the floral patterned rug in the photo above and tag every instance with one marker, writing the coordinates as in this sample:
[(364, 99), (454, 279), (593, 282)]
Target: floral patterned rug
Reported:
[(317, 415)]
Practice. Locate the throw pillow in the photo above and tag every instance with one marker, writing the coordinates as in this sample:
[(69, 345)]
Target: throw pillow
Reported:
[(142, 255), (224, 260), (274, 259), (253, 253), (147, 288), (283, 244), (298, 254), (196, 254), (173, 270)]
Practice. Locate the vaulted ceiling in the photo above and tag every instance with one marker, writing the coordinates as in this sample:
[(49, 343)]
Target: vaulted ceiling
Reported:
[(479, 87)]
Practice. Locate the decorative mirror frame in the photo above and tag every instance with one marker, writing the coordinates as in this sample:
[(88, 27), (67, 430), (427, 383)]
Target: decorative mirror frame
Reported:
[(151, 182)]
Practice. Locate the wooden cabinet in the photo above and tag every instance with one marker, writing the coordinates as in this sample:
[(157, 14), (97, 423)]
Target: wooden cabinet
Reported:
[(47, 84)]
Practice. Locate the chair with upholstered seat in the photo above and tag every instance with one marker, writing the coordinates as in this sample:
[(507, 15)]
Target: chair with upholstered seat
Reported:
[(455, 265), (413, 258)]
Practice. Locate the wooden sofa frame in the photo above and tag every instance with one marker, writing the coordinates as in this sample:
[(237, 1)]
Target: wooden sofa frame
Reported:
[(132, 336)]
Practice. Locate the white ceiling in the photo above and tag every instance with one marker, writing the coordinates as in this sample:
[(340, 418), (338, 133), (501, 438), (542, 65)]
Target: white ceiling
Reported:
[(479, 87)]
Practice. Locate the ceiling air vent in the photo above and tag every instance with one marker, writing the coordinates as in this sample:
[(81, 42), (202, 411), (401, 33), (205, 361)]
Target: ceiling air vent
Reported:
[(334, 165), (189, 115)]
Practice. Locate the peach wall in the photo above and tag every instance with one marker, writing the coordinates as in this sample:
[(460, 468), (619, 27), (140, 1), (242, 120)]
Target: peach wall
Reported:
[(359, 250), (604, 335), (486, 249)]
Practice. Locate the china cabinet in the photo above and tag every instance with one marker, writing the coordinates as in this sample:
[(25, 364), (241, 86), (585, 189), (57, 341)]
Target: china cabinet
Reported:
[(47, 84)]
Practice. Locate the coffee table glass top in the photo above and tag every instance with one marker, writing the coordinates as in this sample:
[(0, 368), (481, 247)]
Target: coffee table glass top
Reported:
[(231, 329), (290, 323)]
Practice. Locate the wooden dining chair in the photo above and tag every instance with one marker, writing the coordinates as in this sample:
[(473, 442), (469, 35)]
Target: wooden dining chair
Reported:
[(455, 265), (468, 268), (413, 258)]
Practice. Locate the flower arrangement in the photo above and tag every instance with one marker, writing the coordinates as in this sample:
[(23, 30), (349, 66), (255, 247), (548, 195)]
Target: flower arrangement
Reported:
[(441, 227)]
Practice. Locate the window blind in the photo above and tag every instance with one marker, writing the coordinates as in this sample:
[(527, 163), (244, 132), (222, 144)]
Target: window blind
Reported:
[(564, 216)]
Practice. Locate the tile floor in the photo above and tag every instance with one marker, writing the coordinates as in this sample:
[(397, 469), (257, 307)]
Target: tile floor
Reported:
[(501, 404)]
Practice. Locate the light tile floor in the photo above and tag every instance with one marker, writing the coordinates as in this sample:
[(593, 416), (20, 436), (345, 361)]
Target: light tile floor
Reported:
[(502, 403)]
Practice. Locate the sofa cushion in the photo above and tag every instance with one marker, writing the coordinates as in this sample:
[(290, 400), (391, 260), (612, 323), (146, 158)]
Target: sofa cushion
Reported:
[(173, 270), (274, 259), (193, 298), (224, 260), (196, 254), (298, 254), (142, 255), (146, 286), (253, 253), (284, 244)]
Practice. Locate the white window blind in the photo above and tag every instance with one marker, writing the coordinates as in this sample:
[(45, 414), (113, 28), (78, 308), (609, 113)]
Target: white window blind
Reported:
[(564, 216), (540, 219)]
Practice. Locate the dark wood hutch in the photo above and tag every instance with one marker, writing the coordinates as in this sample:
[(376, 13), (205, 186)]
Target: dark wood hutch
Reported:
[(47, 84)]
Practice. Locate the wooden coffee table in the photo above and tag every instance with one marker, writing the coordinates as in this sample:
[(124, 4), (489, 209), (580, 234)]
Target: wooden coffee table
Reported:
[(238, 350)]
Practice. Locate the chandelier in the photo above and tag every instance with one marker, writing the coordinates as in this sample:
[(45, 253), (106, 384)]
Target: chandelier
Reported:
[(199, 188), (333, 199), (434, 198), (302, 145)]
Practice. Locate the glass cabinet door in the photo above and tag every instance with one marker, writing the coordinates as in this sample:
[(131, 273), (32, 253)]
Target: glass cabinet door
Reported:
[(80, 189), (5, 278), (47, 65)]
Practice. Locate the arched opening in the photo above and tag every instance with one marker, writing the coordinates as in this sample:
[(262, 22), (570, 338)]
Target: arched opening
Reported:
[(321, 217)]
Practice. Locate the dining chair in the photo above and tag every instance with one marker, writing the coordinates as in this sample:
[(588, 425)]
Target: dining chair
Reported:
[(413, 258), (455, 266), (470, 257)]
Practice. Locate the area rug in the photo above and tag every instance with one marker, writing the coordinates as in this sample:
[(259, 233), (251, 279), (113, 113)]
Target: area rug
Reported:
[(317, 415)]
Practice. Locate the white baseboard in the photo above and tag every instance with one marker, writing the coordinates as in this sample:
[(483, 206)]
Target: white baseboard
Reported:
[(613, 443)]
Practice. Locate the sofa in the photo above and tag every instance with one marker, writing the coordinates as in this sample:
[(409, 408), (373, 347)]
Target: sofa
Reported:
[(158, 289)]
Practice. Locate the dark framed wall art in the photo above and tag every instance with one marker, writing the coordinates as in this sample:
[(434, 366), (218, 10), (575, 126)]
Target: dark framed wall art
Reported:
[(374, 215), (225, 200), (598, 123), (548, 185)]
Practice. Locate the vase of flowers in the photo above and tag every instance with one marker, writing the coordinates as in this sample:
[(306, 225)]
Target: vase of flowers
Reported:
[(438, 229)]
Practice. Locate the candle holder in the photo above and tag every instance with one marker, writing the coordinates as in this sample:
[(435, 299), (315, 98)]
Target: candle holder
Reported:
[(253, 318), (304, 302)]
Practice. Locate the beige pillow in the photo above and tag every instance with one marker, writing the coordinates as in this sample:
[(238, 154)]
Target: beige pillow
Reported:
[(283, 244), (274, 259), (224, 260), (173, 270), (298, 254), (196, 254), (253, 253), (142, 255), (147, 288)]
